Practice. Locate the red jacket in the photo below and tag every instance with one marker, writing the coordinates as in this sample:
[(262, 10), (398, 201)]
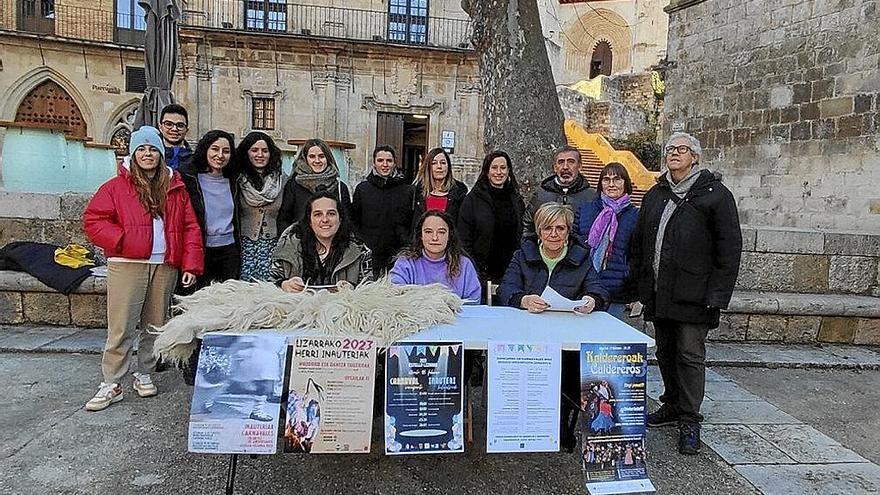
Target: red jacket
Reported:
[(116, 222)]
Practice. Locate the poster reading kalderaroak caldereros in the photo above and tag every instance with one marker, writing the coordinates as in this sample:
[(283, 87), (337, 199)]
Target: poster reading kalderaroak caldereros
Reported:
[(237, 395), (330, 397), (423, 398), (613, 401)]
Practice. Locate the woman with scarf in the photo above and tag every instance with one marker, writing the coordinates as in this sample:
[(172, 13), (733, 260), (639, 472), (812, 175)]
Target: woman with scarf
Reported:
[(314, 170), (491, 218), (319, 250), (144, 222), (606, 225), (435, 187), (261, 182)]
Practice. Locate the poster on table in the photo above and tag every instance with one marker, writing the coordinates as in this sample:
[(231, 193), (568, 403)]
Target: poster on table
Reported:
[(424, 398), (613, 401), (237, 394), (524, 399), (330, 397)]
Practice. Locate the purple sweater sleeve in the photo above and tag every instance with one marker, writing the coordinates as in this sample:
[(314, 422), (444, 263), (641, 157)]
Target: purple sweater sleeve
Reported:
[(470, 282), (402, 272)]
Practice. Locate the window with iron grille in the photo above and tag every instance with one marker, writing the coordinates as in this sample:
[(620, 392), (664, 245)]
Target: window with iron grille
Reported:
[(263, 114), (265, 15), (135, 79), (408, 21)]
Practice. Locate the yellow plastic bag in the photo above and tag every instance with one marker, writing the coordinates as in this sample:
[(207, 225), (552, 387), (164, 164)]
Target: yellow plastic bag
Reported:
[(73, 256)]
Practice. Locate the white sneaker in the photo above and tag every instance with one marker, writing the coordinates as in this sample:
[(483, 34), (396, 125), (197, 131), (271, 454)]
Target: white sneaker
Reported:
[(143, 385), (108, 393)]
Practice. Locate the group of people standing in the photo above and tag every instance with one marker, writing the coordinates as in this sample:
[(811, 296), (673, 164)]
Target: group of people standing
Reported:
[(177, 219)]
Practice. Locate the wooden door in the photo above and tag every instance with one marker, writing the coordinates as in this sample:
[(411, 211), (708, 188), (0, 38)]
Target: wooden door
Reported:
[(389, 130), (600, 64), (49, 106)]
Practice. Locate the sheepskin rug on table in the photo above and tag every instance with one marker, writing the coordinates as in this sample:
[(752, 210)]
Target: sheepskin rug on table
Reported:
[(378, 310)]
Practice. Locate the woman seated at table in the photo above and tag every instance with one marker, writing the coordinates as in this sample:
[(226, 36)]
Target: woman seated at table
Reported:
[(320, 250), (558, 259), (435, 256)]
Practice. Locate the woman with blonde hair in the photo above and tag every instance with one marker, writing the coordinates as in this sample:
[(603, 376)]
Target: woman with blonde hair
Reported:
[(145, 223), (557, 259), (436, 188)]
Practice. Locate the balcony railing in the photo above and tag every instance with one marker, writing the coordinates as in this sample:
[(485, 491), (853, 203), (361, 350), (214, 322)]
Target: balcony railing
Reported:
[(278, 17), (45, 17)]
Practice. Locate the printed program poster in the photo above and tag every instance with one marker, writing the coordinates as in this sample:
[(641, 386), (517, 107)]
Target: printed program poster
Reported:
[(524, 398), (613, 401), (330, 399), (423, 398), (237, 395)]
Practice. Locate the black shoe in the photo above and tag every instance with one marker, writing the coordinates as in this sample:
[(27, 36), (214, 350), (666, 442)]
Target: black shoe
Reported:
[(689, 438), (665, 416)]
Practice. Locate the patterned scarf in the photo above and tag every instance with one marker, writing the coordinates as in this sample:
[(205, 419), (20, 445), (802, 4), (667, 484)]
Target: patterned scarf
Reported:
[(272, 186), (604, 229)]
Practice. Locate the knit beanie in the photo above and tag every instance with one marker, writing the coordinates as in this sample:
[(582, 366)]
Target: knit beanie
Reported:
[(145, 135)]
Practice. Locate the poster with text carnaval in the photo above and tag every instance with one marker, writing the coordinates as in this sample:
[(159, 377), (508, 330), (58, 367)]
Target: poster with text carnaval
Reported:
[(613, 405), (330, 397), (523, 397), (424, 398), (237, 394)]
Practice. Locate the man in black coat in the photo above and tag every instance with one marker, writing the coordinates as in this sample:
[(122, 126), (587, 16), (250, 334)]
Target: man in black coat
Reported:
[(684, 257), (173, 124), (381, 209), (566, 186)]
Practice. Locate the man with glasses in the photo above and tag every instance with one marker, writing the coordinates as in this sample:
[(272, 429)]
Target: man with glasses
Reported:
[(684, 256), (566, 186), (173, 124)]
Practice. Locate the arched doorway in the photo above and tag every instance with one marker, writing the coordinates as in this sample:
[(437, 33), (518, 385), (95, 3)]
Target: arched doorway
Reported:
[(49, 106), (600, 63)]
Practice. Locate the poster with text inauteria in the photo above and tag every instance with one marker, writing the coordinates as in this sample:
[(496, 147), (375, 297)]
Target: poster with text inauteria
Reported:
[(524, 398), (237, 394), (330, 398), (613, 401), (424, 398)]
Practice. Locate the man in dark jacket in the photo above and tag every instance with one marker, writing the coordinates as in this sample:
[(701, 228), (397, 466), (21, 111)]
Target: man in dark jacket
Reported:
[(566, 186), (685, 256), (381, 209), (173, 124)]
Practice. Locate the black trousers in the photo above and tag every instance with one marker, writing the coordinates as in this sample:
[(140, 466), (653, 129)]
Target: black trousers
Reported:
[(221, 264), (681, 356)]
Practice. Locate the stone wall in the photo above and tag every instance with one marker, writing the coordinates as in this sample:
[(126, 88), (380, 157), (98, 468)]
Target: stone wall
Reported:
[(804, 286), (26, 301), (622, 105), (784, 97), (51, 218)]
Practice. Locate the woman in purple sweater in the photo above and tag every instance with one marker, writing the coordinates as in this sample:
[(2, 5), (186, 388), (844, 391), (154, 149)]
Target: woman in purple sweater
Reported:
[(436, 257)]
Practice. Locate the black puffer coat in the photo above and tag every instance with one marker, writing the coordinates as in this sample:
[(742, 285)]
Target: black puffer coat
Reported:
[(700, 255), (476, 224), (381, 211), (293, 203)]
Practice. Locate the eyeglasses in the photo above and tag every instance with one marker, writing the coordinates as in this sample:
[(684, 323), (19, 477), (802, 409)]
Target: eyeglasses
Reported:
[(175, 125), (609, 180), (558, 229), (680, 149)]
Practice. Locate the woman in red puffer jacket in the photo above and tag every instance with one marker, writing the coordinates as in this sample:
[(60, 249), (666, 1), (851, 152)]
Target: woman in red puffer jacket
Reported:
[(145, 223)]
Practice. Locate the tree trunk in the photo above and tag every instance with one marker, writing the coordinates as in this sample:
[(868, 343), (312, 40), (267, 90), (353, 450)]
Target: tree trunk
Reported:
[(521, 109)]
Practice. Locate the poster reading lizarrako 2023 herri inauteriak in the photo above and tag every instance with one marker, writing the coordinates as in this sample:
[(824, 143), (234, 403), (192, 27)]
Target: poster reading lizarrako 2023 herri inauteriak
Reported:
[(613, 401), (423, 398), (237, 394), (330, 397)]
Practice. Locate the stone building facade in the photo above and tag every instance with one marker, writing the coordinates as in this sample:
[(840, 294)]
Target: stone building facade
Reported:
[(784, 97), (337, 73), (586, 38), (616, 106)]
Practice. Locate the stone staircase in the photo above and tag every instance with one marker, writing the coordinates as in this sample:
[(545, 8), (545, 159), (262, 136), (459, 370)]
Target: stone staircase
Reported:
[(596, 152)]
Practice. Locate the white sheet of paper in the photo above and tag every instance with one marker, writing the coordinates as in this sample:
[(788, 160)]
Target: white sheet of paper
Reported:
[(558, 302), (523, 397)]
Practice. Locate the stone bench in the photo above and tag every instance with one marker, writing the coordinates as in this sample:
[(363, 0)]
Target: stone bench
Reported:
[(800, 318), (26, 300)]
